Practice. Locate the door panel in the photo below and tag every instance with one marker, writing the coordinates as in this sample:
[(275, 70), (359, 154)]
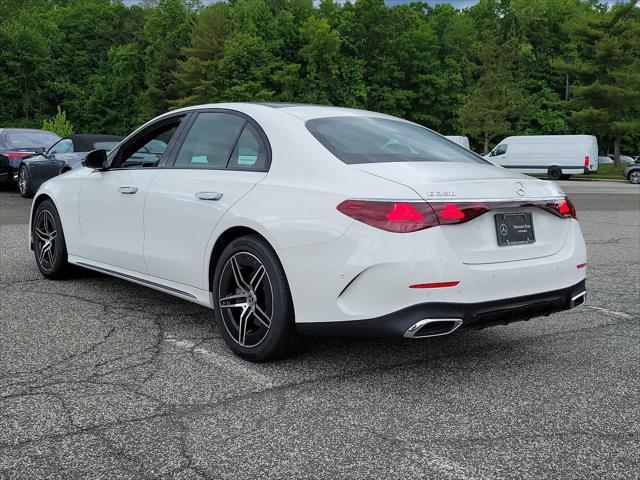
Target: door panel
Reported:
[(111, 217), (45, 169), (111, 203), (220, 159), (180, 214)]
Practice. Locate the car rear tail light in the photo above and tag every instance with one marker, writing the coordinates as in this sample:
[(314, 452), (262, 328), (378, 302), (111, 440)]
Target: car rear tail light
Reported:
[(451, 213), (581, 266), (18, 154), (398, 217), (586, 161), (562, 208), (404, 217)]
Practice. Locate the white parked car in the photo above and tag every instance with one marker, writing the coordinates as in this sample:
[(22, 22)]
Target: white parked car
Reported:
[(460, 140), (559, 156), (294, 219)]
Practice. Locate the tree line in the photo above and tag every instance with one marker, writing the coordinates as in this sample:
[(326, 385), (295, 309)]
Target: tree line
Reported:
[(497, 68)]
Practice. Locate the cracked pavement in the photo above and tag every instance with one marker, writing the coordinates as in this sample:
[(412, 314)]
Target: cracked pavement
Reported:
[(100, 378)]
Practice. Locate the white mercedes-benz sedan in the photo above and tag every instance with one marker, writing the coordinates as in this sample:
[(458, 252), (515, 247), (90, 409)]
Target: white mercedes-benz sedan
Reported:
[(297, 219)]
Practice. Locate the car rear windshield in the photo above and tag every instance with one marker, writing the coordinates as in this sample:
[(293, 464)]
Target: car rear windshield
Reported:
[(375, 140), (32, 139)]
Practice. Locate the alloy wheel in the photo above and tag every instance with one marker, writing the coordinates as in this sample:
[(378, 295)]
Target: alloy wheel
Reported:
[(634, 177), (245, 298), (22, 181), (45, 240)]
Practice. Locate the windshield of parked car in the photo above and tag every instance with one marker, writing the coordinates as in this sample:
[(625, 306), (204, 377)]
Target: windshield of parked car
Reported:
[(31, 139), (375, 140)]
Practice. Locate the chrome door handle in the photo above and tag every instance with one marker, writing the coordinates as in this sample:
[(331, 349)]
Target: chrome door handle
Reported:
[(211, 196), (128, 190)]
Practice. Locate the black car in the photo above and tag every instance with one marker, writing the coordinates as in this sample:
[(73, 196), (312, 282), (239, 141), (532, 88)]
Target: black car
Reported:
[(632, 172), (67, 154), (17, 144)]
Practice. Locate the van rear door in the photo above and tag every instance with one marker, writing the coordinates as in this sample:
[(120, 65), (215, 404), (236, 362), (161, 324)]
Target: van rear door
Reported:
[(592, 152)]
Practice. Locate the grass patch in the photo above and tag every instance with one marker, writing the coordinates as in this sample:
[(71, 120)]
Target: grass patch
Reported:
[(608, 171)]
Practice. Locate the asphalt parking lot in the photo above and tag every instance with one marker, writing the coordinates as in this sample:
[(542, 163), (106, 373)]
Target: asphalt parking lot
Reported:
[(100, 378)]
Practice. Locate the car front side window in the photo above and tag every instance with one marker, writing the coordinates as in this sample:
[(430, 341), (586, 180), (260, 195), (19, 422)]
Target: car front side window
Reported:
[(499, 150), (63, 146), (147, 148)]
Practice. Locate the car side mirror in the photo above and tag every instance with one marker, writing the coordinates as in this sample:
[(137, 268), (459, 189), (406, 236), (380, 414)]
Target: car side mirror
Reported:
[(96, 159), (40, 151)]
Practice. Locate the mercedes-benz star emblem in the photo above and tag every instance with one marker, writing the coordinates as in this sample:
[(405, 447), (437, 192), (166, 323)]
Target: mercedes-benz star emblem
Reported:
[(519, 188), (503, 230)]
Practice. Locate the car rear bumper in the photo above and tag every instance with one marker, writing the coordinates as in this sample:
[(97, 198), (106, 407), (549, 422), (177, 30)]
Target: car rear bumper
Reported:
[(472, 315)]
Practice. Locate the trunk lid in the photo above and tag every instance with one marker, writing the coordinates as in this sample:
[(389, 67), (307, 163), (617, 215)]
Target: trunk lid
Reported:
[(475, 242)]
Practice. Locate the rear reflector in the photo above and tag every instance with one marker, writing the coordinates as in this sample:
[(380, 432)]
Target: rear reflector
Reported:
[(405, 217), (581, 265), (435, 285)]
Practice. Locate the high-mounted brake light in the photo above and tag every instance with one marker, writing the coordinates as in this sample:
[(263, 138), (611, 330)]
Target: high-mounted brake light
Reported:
[(436, 285)]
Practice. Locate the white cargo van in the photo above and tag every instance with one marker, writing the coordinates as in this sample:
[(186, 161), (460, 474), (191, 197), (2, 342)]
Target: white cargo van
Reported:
[(559, 156), (460, 140)]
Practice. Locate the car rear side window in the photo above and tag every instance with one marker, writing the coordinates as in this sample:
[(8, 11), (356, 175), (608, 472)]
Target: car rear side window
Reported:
[(104, 145), (374, 140), (250, 152), (210, 141)]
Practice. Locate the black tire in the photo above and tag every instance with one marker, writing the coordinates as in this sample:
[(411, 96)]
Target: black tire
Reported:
[(634, 176), (555, 173), (24, 182), (260, 300), (47, 231)]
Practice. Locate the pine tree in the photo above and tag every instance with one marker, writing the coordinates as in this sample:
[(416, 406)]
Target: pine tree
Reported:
[(606, 99)]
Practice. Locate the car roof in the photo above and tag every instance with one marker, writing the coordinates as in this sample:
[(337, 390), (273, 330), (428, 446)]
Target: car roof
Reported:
[(302, 111), (555, 138)]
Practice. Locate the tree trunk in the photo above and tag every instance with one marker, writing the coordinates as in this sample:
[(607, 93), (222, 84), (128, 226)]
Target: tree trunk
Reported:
[(486, 143), (616, 151)]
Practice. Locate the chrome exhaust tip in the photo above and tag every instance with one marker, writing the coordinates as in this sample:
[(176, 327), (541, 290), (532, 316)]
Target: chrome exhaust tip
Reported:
[(432, 327), (578, 300)]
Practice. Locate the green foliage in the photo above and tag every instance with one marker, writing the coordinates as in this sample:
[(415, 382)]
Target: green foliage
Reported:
[(607, 98), (496, 102), (494, 69), (58, 124)]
